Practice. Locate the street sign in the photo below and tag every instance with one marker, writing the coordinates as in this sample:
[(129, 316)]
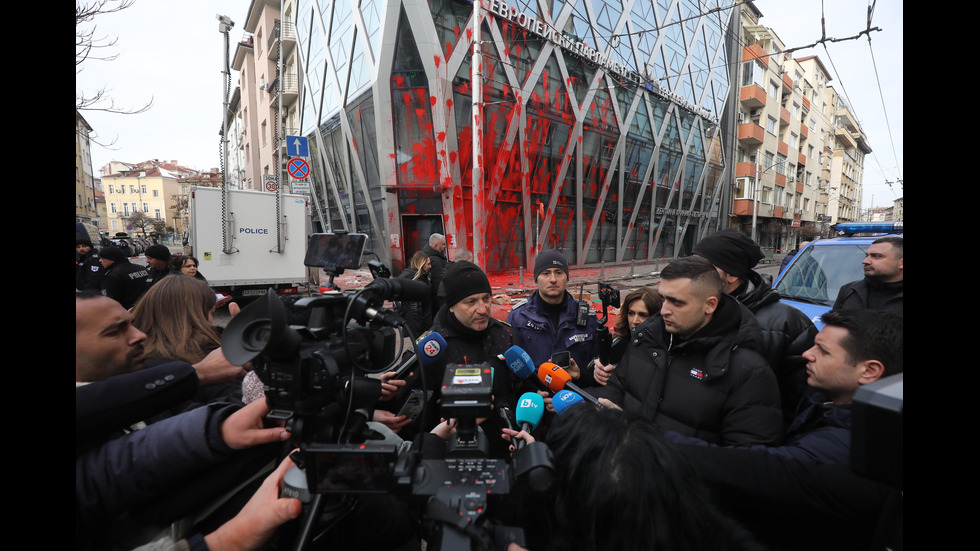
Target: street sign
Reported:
[(270, 185), (300, 187), (297, 146), (298, 168)]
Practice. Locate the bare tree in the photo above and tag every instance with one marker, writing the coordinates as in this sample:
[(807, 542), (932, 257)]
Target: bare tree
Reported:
[(88, 44), (145, 223)]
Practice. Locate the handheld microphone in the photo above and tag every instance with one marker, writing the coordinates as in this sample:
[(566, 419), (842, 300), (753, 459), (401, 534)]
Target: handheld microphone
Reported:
[(565, 399), (428, 348), (519, 362), (558, 379), (530, 408)]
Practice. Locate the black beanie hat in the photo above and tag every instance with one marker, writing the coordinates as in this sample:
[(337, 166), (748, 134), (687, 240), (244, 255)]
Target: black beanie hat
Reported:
[(550, 259), (114, 254), (730, 250), (158, 252), (83, 241), (463, 279)]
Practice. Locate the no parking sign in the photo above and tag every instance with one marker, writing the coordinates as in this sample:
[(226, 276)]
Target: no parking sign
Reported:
[(298, 168)]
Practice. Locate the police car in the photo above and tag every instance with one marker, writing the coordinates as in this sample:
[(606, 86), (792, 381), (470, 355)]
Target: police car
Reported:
[(815, 275)]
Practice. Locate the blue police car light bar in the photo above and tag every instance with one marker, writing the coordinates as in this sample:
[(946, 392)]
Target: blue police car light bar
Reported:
[(869, 227)]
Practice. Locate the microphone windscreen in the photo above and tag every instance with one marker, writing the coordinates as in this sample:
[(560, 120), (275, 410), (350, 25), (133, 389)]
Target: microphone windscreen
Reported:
[(429, 347), (565, 399), (530, 408), (553, 376), (519, 362)]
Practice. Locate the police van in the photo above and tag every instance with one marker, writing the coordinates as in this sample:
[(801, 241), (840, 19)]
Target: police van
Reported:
[(814, 276)]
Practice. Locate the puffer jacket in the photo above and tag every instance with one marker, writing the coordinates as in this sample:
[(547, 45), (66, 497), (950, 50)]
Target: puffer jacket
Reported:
[(714, 386), (786, 334)]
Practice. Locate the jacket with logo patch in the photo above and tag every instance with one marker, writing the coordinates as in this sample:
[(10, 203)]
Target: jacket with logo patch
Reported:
[(714, 386)]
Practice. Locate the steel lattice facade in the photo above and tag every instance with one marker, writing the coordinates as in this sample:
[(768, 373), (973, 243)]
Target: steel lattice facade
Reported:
[(600, 132)]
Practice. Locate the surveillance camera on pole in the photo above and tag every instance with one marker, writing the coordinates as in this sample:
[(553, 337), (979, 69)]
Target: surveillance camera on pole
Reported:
[(224, 23)]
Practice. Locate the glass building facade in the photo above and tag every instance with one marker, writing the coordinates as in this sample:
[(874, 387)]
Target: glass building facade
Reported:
[(599, 130)]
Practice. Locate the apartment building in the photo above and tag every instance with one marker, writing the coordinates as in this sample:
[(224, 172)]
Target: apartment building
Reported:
[(85, 201), (267, 107), (800, 153), (150, 187)]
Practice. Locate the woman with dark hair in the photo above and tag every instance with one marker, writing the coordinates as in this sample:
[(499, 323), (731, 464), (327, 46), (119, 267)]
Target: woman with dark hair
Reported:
[(418, 314), (639, 305), (619, 485), (187, 265)]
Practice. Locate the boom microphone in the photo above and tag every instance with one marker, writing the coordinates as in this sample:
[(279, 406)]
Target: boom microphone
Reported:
[(557, 379), (565, 399), (530, 408)]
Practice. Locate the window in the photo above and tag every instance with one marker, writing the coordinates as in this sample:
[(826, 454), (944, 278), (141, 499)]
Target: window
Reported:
[(809, 152), (754, 72), (143, 188), (156, 213), (122, 190), (778, 196), (125, 209), (134, 208), (773, 90), (156, 193), (792, 140), (112, 208), (132, 189), (770, 125), (146, 208), (766, 194), (110, 189), (768, 160)]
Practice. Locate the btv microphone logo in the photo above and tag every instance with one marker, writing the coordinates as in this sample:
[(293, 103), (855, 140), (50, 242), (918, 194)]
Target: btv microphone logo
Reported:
[(527, 403), (432, 349)]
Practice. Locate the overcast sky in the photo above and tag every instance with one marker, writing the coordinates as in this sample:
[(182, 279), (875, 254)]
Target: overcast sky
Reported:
[(171, 52)]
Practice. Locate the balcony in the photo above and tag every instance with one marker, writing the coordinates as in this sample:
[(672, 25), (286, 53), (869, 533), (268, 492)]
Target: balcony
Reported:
[(290, 91), (287, 33), (751, 134), (783, 117), (844, 137), (755, 52), (780, 179), (746, 169), (777, 212), (799, 186), (806, 104), (802, 160), (804, 131), (787, 85), (752, 96), (742, 207)]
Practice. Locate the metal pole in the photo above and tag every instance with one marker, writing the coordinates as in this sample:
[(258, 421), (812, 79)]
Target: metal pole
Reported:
[(476, 80)]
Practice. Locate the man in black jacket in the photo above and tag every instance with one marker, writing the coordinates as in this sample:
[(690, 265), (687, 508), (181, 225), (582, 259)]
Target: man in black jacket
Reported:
[(694, 367), (157, 264), (124, 281), (436, 251), (786, 331), (883, 285), (473, 336), (88, 269)]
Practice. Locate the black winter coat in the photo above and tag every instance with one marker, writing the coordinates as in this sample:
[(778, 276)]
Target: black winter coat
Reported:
[(854, 296), (714, 386), (786, 334), (124, 282), (418, 314), (436, 273)]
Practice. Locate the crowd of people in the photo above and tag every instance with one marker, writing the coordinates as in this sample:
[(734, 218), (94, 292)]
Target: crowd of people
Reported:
[(724, 417)]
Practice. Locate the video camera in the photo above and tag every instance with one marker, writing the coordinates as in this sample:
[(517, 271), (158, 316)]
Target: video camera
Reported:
[(317, 379)]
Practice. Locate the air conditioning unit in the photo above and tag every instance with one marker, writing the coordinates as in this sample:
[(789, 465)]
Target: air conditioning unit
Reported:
[(741, 117), (796, 84), (755, 112)]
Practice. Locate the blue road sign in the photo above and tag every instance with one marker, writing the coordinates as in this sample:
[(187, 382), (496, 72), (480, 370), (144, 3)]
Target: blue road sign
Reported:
[(298, 168), (297, 146)]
